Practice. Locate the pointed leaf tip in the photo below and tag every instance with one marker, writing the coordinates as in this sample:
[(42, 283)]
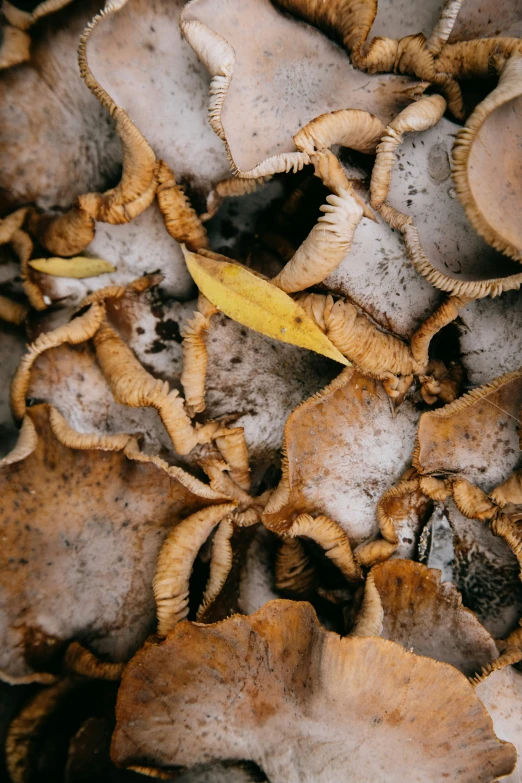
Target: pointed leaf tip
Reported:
[(257, 304)]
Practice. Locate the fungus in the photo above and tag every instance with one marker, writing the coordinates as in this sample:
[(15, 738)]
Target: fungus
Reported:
[(428, 618), (58, 543), (15, 43), (343, 447), (412, 188), (257, 670), (494, 125), (306, 80)]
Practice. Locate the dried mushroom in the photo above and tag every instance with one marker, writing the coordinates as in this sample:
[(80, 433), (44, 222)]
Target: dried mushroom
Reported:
[(260, 304), (256, 671)]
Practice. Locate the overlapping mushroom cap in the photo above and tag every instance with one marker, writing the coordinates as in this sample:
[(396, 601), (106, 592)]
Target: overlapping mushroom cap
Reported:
[(238, 688), (77, 562)]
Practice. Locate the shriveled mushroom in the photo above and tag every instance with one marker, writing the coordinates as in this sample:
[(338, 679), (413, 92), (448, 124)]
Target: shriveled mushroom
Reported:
[(252, 684), (65, 536)]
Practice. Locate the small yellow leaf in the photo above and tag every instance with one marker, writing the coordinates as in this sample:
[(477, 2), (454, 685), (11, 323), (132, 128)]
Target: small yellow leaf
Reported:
[(255, 303), (72, 267)]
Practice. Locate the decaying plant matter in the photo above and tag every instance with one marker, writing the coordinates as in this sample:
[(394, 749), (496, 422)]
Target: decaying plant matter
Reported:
[(260, 469)]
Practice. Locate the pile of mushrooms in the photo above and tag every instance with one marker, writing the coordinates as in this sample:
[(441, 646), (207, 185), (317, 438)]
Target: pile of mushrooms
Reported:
[(261, 411)]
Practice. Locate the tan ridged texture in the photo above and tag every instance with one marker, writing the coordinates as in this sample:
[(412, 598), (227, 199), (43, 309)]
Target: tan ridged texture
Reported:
[(252, 696), (232, 445), (377, 551), (352, 128), (121, 506), (487, 150), (471, 59), (349, 20), (370, 616), (80, 660), (229, 188), (195, 355), (427, 617), (84, 440), (420, 116), (511, 532), (27, 727), (76, 331), (180, 218), (331, 538), (444, 27), (132, 385), (175, 561), (25, 444), (12, 312), (375, 352), (220, 564), (295, 574), (70, 233), (325, 246), (15, 46), (11, 233), (509, 656), (24, 19)]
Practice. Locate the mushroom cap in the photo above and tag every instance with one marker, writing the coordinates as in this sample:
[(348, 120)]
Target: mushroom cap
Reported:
[(490, 337), (442, 243), (488, 150), (304, 704), (486, 19), (248, 38), (428, 618), (501, 694), (82, 529), (474, 437), (38, 164), (344, 448), (162, 79)]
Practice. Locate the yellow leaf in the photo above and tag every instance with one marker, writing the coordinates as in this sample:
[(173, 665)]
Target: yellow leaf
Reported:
[(255, 303), (72, 267)]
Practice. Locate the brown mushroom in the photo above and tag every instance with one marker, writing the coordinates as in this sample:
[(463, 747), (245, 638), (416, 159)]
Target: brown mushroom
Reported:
[(65, 536), (277, 675), (428, 618)]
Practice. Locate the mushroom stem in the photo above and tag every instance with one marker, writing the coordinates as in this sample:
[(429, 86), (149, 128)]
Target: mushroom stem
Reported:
[(179, 216), (80, 660), (419, 116), (371, 614), (220, 564), (229, 188), (11, 233), (295, 574), (195, 355), (442, 30), (331, 538), (175, 561), (15, 46), (76, 331), (12, 312), (232, 445), (132, 385)]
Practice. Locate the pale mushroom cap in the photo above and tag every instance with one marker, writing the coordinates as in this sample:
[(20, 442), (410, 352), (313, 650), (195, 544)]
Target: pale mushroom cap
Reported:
[(487, 19), (501, 694), (398, 19), (428, 618), (278, 689), (140, 58), (476, 436), (82, 530), (344, 448), (421, 187), (302, 81)]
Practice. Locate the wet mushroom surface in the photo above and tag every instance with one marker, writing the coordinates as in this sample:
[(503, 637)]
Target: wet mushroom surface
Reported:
[(261, 391)]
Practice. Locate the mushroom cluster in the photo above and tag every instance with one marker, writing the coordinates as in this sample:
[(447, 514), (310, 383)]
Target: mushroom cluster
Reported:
[(261, 330)]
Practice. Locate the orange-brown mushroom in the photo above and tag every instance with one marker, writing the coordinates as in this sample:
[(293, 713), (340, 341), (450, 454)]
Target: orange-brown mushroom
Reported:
[(278, 689)]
